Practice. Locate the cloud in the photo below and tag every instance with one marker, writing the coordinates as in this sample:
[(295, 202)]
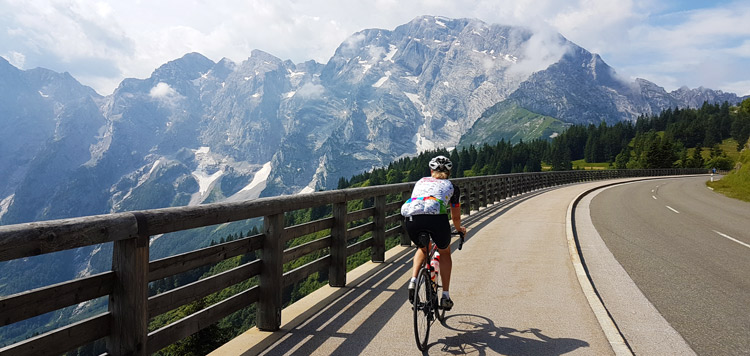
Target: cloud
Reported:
[(162, 90), (16, 59), (311, 91), (137, 37), (544, 48), (165, 94)]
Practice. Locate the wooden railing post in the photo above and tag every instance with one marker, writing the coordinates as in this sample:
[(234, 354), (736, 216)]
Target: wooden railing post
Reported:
[(337, 271), (505, 182), (465, 199), (405, 240), (482, 191), (128, 302), (378, 235), (269, 302)]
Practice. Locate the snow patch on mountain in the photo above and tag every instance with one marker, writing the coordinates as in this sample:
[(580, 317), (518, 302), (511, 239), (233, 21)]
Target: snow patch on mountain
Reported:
[(392, 49), (382, 80), (256, 186), (419, 104), (5, 203), (423, 143), (206, 163)]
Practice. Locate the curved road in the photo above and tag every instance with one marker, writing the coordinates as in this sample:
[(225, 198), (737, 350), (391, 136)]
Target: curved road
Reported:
[(688, 250)]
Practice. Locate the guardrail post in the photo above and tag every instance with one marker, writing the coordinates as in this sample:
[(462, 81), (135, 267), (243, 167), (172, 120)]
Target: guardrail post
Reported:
[(494, 190), (269, 302), (482, 191), (337, 271), (405, 240), (465, 199), (128, 302), (378, 235)]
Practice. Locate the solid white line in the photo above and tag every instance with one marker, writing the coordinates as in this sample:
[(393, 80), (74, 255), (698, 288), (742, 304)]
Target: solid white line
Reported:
[(733, 239), (653, 197), (671, 208)]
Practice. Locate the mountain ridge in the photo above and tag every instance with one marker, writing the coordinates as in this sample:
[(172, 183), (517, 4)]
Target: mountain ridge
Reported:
[(382, 95)]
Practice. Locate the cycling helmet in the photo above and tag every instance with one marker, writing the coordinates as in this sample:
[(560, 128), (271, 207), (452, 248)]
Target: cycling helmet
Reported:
[(441, 164)]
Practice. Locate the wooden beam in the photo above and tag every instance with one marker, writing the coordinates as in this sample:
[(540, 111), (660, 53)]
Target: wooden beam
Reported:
[(29, 304), (128, 302), (269, 305), (36, 238), (164, 302), (190, 325), (337, 270), (62, 340), (302, 272), (378, 235), (306, 248), (173, 265)]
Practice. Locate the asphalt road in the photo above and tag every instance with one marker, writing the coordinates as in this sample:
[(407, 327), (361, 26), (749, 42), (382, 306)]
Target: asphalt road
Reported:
[(514, 285), (688, 250)]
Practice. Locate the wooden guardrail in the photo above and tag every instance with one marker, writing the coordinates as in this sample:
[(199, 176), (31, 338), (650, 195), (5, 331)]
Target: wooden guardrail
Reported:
[(125, 324)]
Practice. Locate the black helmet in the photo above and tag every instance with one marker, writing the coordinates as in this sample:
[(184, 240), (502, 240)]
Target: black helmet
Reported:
[(441, 164)]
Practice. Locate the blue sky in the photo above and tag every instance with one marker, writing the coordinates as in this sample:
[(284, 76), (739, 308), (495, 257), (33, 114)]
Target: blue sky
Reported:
[(672, 43)]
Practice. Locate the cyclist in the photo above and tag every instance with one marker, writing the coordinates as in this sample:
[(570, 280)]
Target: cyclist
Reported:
[(426, 210)]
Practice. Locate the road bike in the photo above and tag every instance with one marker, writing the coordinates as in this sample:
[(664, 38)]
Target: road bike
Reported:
[(425, 304)]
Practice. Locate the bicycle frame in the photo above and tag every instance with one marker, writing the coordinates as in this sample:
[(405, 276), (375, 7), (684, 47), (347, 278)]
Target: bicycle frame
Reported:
[(424, 309)]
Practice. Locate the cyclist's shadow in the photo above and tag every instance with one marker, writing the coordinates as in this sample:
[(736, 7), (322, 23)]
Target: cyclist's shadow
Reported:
[(478, 334)]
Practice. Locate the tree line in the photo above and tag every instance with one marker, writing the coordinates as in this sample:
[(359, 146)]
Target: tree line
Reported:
[(674, 138)]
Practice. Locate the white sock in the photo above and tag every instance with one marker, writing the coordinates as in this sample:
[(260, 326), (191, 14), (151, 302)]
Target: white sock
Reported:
[(413, 280), (446, 295)]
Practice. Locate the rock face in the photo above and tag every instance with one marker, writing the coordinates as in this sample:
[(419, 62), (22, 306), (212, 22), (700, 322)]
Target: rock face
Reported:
[(196, 131)]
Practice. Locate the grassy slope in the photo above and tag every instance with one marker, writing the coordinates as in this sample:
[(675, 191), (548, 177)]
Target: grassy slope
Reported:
[(511, 123), (736, 184)]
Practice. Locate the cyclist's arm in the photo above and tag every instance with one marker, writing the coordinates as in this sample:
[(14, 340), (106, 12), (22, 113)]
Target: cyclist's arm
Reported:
[(456, 217)]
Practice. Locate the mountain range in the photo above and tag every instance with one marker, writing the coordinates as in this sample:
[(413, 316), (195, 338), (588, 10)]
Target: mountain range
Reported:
[(198, 131)]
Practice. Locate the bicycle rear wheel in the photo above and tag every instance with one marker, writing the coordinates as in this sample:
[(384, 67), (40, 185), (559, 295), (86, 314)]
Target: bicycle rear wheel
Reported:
[(422, 306)]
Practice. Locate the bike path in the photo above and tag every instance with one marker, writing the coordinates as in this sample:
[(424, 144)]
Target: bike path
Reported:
[(514, 285)]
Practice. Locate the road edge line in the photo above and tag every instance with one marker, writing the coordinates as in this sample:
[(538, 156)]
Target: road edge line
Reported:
[(608, 325)]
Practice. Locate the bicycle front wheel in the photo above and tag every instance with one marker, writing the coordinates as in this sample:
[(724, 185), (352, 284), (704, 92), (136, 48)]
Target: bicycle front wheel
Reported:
[(423, 312)]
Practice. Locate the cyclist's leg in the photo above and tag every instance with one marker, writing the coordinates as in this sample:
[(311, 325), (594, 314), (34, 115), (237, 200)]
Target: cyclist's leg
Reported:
[(445, 267), (442, 237), (414, 226), (419, 257)]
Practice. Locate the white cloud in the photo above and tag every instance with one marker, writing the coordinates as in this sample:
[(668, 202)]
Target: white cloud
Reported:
[(540, 51), (165, 94), (311, 91), (102, 42), (17, 59)]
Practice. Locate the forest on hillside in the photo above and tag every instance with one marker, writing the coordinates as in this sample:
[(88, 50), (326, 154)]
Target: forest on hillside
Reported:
[(681, 138)]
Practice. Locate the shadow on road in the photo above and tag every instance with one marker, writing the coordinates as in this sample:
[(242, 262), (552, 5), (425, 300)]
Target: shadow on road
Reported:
[(343, 323), (479, 335)]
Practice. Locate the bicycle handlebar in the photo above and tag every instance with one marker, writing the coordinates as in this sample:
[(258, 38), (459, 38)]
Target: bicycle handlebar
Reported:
[(461, 242)]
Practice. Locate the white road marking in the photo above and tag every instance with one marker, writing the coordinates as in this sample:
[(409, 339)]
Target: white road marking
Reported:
[(671, 208), (653, 197), (733, 239)]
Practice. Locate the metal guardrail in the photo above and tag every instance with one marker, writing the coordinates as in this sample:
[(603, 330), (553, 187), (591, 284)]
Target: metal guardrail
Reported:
[(125, 324)]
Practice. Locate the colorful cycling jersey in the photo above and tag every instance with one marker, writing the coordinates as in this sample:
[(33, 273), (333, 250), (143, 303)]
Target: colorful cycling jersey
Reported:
[(430, 196)]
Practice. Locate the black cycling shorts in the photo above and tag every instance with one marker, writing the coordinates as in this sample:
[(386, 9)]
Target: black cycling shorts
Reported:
[(437, 225)]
